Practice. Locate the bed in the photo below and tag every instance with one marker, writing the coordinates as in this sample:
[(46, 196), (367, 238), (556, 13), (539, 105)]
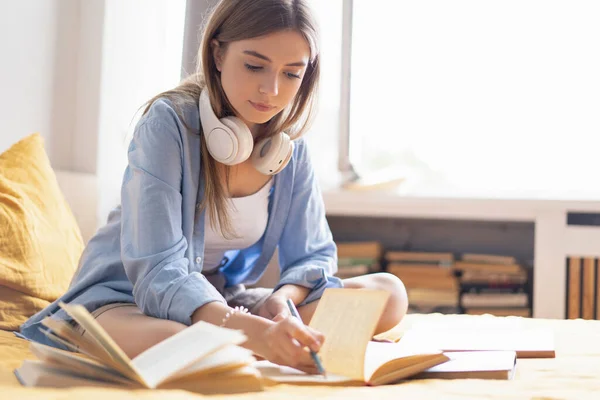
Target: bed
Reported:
[(574, 373)]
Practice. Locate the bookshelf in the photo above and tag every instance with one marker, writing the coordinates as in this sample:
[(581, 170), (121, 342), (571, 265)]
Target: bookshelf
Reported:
[(445, 282), (554, 239)]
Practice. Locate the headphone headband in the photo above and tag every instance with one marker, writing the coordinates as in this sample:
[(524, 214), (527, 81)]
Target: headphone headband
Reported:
[(229, 141)]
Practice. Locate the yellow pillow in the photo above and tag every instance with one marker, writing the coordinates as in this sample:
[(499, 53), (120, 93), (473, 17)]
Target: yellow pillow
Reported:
[(40, 242)]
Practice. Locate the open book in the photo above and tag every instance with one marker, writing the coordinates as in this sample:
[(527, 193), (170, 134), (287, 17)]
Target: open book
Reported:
[(213, 364), (348, 318)]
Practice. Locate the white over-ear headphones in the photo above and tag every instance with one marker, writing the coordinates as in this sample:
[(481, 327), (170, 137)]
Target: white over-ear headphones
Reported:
[(230, 142)]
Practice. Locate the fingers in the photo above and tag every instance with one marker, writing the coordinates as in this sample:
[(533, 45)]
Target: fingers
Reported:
[(303, 334), (300, 359), (279, 309), (274, 308), (309, 368), (293, 338), (318, 335), (289, 351), (281, 316), (291, 348), (289, 341)]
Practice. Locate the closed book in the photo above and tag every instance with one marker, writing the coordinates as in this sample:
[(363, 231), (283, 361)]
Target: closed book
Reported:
[(486, 267), (527, 343), (471, 300), (359, 250), (499, 365), (494, 277), (488, 258), (500, 312), (418, 256), (493, 287)]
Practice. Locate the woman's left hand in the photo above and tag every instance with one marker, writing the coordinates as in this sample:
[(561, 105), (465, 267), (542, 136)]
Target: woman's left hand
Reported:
[(275, 307)]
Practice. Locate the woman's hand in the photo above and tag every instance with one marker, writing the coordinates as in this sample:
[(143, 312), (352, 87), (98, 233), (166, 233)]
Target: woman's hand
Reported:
[(275, 307), (285, 342)]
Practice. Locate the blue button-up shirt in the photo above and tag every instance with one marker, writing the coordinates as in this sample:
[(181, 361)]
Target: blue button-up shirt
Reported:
[(151, 249)]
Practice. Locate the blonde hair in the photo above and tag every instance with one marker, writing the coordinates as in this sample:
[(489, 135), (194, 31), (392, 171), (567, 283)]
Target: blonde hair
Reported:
[(229, 21)]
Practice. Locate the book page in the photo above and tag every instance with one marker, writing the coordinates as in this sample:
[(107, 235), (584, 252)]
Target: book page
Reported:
[(241, 380), (75, 363), (226, 358), (464, 323), (181, 350), (36, 373), (105, 358), (471, 361), (93, 329), (378, 354), (283, 374), (59, 340), (348, 318), (403, 363), (538, 343), (76, 341)]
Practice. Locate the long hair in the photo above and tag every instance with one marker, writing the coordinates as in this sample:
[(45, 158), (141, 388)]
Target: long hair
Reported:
[(229, 21)]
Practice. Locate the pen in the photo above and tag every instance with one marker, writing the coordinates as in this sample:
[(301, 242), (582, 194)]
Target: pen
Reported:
[(314, 355)]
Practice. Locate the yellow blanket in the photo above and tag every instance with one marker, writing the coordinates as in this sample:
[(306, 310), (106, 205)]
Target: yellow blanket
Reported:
[(574, 373)]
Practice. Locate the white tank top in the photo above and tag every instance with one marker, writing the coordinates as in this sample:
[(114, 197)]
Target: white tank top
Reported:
[(248, 217)]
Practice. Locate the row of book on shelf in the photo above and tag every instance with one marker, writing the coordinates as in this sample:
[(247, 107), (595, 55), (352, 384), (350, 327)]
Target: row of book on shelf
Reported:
[(442, 282)]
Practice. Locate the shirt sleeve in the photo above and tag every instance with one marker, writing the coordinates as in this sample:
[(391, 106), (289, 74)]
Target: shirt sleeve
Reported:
[(153, 246), (307, 252)]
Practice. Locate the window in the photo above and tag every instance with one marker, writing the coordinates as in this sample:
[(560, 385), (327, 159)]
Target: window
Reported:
[(324, 134), (141, 56), (478, 94)]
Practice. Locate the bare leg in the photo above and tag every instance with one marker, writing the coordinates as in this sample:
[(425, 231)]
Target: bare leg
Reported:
[(134, 331), (395, 308)]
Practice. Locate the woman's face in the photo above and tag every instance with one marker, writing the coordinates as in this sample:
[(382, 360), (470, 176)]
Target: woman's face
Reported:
[(261, 76)]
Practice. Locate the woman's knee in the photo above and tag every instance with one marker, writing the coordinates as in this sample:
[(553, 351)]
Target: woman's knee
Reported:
[(398, 302)]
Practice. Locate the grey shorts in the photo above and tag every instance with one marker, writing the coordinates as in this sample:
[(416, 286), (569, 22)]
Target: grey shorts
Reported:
[(237, 295)]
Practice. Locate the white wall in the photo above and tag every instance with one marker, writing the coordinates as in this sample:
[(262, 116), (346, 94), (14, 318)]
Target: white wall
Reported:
[(141, 56), (51, 54), (78, 70), (37, 52)]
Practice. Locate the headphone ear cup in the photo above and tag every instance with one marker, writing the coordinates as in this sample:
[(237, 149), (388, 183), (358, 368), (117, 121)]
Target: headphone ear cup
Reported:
[(243, 137), (222, 144), (272, 154), (229, 141)]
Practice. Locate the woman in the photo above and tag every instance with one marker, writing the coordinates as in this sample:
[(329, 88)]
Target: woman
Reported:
[(213, 186)]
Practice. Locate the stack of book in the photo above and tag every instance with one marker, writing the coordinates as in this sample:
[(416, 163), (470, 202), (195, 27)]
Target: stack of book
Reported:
[(358, 258), (492, 284), (429, 278)]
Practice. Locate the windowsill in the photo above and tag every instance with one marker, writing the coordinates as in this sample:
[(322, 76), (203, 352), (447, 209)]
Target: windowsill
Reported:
[(416, 198)]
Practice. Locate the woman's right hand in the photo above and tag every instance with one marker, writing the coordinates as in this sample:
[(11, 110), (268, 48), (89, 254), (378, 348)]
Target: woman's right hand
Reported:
[(284, 342)]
